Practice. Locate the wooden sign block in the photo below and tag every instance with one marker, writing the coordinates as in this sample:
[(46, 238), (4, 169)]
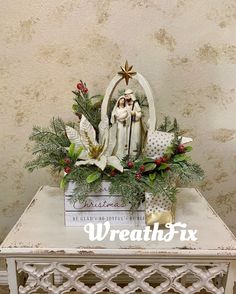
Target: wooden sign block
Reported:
[(100, 207)]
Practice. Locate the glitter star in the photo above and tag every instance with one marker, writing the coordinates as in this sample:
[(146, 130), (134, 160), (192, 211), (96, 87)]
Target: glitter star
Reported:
[(126, 72)]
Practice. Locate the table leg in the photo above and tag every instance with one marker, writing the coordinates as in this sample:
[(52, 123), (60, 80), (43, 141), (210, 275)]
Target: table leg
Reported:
[(12, 275), (231, 278)]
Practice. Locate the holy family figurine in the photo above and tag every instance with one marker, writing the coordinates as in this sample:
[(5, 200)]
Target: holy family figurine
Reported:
[(127, 115)]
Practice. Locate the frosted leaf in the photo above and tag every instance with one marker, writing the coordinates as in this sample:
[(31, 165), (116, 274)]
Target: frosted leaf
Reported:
[(73, 136), (87, 133)]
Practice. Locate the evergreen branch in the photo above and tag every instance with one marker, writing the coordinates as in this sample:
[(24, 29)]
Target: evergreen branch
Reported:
[(84, 110), (169, 126), (50, 146), (187, 171)]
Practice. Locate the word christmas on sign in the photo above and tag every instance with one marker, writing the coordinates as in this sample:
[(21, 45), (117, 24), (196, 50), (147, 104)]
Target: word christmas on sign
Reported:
[(99, 204)]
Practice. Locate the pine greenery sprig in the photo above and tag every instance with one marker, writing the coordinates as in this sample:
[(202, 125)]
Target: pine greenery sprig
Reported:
[(50, 146), (132, 191), (90, 107), (142, 100), (169, 126), (187, 171)]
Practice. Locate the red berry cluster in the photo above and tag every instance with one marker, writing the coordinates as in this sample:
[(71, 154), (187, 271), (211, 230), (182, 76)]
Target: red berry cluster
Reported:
[(112, 173), (142, 168), (67, 169), (82, 87), (130, 164), (67, 162), (160, 160), (138, 176), (181, 149)]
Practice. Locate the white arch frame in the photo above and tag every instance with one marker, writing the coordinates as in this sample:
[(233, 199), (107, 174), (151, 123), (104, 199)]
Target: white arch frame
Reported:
[(147, 89)]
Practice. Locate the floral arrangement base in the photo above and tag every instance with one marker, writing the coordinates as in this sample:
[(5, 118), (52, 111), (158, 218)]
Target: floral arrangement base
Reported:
[(116, 138), (100, 207)]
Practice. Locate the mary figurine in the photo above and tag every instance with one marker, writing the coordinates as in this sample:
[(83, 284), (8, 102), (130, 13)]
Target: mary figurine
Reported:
[(120, 116)]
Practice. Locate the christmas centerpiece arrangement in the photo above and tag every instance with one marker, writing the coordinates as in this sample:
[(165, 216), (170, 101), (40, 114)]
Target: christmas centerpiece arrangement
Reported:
[(116, 141)]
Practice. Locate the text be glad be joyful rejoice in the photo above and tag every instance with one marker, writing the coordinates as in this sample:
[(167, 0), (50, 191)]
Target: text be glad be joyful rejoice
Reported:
[(100, 231)]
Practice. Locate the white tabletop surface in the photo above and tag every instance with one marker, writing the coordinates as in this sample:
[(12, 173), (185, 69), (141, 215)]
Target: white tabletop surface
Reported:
[(41, 231)]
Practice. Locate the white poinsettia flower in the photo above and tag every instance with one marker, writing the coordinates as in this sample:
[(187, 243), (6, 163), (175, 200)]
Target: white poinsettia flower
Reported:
[(93, 153)]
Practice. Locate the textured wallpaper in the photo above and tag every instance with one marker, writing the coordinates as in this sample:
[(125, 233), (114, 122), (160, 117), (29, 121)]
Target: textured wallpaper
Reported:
[(185, 48)]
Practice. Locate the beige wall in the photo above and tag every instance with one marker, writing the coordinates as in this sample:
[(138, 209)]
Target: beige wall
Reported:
[(185, 48)]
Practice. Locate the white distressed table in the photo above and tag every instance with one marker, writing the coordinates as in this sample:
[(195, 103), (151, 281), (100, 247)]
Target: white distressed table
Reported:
[(42, 254)]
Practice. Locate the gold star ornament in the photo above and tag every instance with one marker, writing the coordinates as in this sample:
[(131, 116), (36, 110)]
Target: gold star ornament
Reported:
[(126, 72)]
